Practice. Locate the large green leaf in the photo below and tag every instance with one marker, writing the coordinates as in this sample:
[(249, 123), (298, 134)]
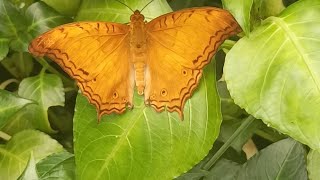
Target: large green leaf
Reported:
[(313, 165), (141, 143), (274, 74), (15, 154), (116, 12), (281, 160), (144, 144), (47, 90), (10, 104), (42, 18)]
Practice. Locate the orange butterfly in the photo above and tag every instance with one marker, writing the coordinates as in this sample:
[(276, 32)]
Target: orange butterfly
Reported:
[(163, 58)]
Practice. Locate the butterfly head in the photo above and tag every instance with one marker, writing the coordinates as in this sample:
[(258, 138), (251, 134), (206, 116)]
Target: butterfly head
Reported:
[(137, 16)]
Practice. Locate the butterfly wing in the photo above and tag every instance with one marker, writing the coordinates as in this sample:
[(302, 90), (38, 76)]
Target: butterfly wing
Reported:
[(180, 44), (96, 55)]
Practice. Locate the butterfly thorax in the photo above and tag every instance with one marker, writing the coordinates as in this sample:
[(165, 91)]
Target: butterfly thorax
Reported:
[(138, 47)]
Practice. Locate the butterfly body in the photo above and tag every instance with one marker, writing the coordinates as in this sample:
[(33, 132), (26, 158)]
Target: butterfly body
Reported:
[(163, 58), (138, 49)]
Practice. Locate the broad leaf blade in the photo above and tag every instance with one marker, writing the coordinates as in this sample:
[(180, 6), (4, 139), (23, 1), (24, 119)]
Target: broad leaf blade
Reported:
[(274, 74), (10, 104), (65, 7), (42, 18), (47, 90), (113, 11), (15, 155), (143, 143)]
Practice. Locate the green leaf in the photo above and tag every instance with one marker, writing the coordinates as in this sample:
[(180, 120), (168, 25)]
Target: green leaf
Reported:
[(182, 4), (281, 160), (4, 48), (116, 12), (19, 64), (65, 7), (313, 165), (224, 170), (240, 9), (47, 90), (42, 18), (270, 8), (30, 171), (277, 78), (11, 20), (143, 144), (13, 25), (57, 166), (14, 156), (10, 104)]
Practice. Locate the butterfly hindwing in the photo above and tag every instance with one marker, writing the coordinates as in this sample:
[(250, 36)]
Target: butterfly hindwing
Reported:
[(180, 44), (96, 55)]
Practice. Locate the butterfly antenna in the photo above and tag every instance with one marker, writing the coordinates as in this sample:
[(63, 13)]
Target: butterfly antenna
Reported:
[(146, 5), (125, 5)]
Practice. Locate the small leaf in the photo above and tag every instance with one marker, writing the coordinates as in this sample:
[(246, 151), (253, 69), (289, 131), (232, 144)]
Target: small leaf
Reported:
[(30, 172), (14, 156), (42, 18), (313, 165), (240, 9), (10, 104), (4, 48), (57, 166), (47, 90), (277, 78)]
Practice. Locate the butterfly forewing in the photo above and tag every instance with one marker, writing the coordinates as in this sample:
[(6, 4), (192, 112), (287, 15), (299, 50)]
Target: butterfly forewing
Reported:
[(180, 44), (96, 54)]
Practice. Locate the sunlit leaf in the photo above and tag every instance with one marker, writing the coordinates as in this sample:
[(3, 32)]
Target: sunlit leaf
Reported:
[(10, 104), (47, 91), (15, 154), (4, 48), (42, 18), (274, 74)]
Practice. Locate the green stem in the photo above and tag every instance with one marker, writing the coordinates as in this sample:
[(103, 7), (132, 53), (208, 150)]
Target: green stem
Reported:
[(245, 124), (4, 84), (5, 136)]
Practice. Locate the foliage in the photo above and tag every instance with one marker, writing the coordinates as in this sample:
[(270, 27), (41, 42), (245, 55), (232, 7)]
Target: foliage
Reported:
[(270, 73)]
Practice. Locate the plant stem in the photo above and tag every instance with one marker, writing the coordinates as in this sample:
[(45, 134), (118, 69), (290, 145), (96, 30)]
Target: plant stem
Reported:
[(4, 84), (5, 136), (245, 124)]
